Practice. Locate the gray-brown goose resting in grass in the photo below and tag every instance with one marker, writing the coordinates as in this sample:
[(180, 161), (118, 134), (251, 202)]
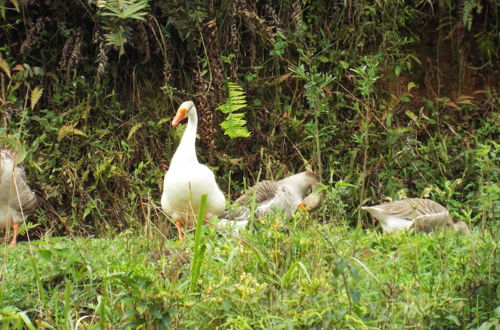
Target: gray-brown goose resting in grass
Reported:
[(17, 200), (418, 213), (285, 196)]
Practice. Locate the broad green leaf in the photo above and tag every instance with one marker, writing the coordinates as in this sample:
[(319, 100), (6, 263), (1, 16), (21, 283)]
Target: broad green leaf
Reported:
[(16, 4), (397, 71), (5, 67), (411, 85), (355, 295), (45, 254)]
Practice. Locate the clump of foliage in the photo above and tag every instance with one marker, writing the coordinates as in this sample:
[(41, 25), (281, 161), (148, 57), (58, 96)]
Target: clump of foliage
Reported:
[(391, 99), (383, 99), (234, 124), (299, 275)]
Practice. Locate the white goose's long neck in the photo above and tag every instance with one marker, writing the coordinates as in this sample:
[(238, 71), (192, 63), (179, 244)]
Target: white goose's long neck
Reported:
[(186, 152)]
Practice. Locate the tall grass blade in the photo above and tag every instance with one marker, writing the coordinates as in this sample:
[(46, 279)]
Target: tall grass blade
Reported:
[(199, 248), (41, 290)]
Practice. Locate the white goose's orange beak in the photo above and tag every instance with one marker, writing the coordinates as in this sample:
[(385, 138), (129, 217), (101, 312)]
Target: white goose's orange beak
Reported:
[(179, 116)]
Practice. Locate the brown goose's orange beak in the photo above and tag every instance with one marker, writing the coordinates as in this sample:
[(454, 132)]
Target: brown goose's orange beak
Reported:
[(179, 116), (302, 206)]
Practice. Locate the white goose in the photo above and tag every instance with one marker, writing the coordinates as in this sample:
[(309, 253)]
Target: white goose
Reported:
[(187, 180), (418, 213), (285, 195), (17, 200)]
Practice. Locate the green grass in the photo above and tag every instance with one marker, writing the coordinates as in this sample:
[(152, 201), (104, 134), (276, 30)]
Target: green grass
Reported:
[(302, 275)]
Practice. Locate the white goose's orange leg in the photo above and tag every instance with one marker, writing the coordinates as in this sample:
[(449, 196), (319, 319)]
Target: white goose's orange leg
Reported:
[(178, 224), (15, 228)]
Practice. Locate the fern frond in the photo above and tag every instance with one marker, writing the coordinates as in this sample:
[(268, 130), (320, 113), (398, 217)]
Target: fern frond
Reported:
[(116, 15), (234, 124), (126, 9), (486, 43), (236, 99), (36, 94)]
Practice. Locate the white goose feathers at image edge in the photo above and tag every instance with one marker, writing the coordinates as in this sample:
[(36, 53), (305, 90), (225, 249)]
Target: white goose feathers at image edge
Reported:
[(17, 200)]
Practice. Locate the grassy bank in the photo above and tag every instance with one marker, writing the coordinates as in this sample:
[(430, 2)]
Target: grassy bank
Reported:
[(301, 275)]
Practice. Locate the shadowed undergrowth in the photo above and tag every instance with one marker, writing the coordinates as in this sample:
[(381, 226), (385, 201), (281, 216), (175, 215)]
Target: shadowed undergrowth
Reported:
[(381, 98), (391, 97)]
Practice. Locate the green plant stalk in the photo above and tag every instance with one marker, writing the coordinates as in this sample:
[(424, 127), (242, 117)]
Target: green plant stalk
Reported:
[(316, 132), (198, 249), (67, 301), (41, 290), (365, 161)]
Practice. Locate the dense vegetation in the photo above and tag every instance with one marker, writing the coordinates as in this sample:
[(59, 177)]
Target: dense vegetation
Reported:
[(381, 98), (303, 276)]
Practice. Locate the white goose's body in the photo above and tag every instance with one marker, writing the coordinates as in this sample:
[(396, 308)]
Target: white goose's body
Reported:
[(418, 213), (187, 180), (285, 196), (17, 200)]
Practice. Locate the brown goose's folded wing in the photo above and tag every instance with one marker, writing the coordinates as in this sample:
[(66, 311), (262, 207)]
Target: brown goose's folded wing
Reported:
[(24, 198), (412, 208), (430, 222), (263, 191), (240, 213)]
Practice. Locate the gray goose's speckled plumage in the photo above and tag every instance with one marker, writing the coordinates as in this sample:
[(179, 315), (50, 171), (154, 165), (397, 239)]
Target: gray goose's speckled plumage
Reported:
[(275, 196), (418, 213), (17, 200)]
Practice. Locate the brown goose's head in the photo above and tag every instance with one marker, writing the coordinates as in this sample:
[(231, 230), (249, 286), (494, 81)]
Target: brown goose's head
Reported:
[(311, 182), (459, 226), (311, 202)]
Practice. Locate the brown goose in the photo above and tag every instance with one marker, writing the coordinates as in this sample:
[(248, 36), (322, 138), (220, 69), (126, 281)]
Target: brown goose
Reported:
[(419, 213), (285, 195), (17, 200)]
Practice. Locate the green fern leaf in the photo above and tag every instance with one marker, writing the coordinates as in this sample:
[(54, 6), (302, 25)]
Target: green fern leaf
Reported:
[(36, 94), (234, 124), (485, 43)]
